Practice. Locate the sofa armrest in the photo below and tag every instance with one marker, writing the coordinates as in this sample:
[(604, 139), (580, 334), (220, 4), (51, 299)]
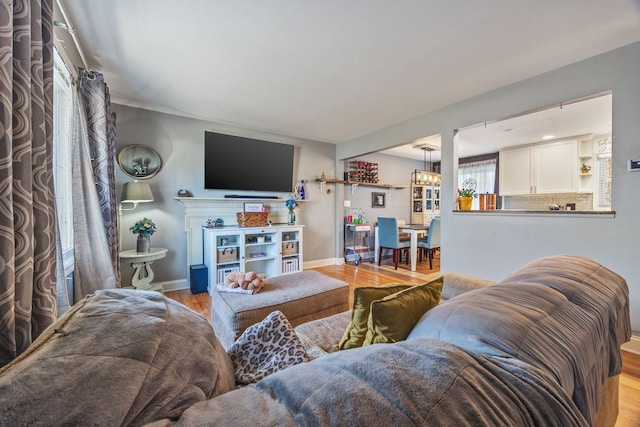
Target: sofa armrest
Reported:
[(456, 284)]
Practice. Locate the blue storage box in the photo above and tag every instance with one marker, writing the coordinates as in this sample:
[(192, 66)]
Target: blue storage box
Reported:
[(198, 276)]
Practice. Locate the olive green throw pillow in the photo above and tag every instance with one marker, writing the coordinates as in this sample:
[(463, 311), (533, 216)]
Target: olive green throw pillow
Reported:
[(362, 297), (392, 318)]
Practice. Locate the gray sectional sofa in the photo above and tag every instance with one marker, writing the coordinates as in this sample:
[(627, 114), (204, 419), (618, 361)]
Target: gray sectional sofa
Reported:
[(541, 347)]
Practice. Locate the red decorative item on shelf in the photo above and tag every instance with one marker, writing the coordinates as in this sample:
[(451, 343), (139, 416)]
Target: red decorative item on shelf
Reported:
[(365, 172)]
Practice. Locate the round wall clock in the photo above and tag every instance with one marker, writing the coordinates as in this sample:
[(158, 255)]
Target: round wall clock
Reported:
[(139, 161)]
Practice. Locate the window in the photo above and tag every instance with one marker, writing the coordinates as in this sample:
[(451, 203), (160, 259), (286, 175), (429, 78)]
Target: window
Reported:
[(483, 172), (62, 154)]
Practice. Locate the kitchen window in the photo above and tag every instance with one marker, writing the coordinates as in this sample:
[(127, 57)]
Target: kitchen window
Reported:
[(483, 172)]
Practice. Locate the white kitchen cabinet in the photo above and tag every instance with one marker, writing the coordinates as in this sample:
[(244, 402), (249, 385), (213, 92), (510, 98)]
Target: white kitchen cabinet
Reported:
[(556, 169), (539, 169), (516, 171), (267, 251)]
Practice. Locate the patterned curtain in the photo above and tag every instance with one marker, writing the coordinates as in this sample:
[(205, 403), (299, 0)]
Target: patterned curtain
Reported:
[(27, 202), (94, 198)]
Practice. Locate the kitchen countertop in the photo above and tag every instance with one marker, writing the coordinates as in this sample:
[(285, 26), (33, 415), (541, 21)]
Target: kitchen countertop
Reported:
[(528, 212)]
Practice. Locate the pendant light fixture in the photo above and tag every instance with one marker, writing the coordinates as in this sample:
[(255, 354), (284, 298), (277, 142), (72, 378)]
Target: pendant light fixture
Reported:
[(425, 177)]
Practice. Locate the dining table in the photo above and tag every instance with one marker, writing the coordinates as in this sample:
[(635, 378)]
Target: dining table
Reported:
[(415, 231)]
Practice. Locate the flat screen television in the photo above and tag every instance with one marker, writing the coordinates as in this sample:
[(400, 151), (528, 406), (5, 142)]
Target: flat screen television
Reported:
[(238, 163)]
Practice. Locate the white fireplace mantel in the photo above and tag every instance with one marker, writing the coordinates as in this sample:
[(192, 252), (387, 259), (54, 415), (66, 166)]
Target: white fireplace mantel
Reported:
[(199, 210)]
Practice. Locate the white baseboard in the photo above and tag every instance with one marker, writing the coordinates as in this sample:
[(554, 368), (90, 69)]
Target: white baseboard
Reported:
[(174, 285), (632, 346), (322, 263)]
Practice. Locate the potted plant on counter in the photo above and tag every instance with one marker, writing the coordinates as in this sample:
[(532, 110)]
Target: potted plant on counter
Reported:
[(465, 199), (467, 194)]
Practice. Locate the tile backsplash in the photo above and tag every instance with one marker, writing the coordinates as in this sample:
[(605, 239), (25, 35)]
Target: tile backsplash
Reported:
[(541, 202)]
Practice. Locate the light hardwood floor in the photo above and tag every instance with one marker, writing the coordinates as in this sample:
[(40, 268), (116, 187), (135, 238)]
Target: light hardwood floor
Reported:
[(367, 274)]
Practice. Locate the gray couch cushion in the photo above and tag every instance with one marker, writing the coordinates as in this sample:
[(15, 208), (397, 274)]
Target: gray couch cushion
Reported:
[(565, 314), (456, 284), (422, 382), (118, 357)]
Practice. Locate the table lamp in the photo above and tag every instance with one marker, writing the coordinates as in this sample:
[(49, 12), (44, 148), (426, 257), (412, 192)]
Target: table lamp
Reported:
[(132, 192), (135, 192)]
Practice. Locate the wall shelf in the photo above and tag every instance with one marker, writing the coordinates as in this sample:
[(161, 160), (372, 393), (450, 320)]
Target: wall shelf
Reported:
[(355, 184), (226, 199)]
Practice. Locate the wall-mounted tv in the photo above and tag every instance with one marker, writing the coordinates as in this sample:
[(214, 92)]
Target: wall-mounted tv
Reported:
[(238, 163)]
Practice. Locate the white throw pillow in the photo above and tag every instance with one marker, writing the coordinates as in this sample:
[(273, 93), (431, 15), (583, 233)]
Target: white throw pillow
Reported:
[(266, 347)]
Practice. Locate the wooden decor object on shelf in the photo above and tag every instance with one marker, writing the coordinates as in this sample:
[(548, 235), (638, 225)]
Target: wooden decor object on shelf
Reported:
[(252, 219)]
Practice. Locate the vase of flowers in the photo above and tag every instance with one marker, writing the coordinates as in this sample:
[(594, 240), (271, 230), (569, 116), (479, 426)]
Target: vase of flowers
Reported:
[(144, 228), (291, 204)]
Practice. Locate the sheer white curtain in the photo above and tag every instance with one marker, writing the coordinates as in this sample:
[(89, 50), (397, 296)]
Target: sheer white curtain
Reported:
[(483, 172)]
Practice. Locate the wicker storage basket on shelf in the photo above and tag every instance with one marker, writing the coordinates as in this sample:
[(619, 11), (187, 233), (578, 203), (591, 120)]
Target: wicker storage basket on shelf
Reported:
[(289, 248), (252, 219), (227, 255)]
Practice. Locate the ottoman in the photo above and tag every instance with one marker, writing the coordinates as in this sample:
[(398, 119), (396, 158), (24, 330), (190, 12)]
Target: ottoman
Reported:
[(302, 297)]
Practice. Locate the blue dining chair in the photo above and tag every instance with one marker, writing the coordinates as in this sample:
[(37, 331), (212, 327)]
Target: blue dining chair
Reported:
[(430, 244), (389, 238)]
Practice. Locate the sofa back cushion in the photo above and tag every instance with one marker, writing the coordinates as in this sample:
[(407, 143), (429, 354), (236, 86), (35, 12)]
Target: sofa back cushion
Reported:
[(456, 284), (118, 357), (567, 315)]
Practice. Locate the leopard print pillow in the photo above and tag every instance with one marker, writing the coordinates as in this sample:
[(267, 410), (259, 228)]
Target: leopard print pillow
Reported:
[(266, 347)]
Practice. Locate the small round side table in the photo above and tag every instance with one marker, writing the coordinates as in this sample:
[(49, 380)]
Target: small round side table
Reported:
[(141, 263)]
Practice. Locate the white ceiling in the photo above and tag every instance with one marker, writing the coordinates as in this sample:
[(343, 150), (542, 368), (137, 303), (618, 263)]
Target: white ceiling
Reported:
[(333, 70), (591, 116)]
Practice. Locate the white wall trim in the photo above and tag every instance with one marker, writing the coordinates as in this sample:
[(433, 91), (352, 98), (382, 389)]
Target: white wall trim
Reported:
[(174, 285), (322, 263), (632, 346)]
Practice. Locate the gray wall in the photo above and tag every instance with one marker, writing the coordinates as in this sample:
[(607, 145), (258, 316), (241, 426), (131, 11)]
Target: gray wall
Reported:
[(391, 170), (180, 143), (492, 246), (486, 246)]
